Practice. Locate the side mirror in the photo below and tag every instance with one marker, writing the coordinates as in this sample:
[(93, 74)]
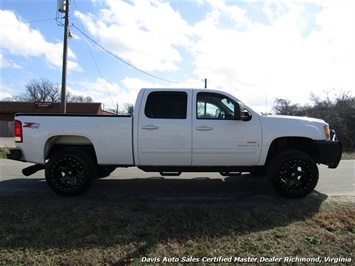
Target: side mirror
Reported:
[(240, 113)]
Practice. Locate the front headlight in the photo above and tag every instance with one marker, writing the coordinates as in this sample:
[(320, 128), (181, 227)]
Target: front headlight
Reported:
[(326, 132)]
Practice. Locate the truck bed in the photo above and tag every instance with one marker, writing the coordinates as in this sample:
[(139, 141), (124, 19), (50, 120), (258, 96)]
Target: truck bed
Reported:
[(108, 134)]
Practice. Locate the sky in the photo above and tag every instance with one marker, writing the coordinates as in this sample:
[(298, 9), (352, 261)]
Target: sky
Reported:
[(255, 50)]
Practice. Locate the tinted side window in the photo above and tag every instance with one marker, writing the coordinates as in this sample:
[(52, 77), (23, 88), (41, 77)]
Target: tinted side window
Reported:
[(166, 105), (214, 106)]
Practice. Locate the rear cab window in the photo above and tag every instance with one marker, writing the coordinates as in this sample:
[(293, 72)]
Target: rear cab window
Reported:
[(166, 105)]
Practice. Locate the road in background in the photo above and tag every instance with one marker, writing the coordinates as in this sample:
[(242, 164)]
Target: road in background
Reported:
[(339, 181)]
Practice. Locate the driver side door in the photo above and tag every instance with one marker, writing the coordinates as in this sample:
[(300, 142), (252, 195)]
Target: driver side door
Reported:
[(219, 139)]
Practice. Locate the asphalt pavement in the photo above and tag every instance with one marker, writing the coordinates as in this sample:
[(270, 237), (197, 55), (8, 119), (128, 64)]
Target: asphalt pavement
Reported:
[(339, 181), (132, 181)]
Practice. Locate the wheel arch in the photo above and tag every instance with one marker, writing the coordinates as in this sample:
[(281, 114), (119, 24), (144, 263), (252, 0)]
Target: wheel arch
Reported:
[(306, 145), (60, 142)]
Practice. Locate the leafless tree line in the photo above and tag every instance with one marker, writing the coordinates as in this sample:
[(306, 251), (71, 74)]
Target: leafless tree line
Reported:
[(337, 110), (43, 90)]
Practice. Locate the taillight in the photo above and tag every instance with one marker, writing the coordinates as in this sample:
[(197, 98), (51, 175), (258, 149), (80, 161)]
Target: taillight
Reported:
[(18, 131)]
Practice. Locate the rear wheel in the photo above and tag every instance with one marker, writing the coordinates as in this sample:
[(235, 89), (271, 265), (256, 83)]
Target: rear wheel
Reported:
[(70, 172), (293, 174)]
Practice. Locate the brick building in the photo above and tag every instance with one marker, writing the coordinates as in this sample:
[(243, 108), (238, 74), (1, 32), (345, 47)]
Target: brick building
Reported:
[(9, 109)]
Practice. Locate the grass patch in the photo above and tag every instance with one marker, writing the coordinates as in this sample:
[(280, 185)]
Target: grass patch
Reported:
[(3, 152), (348, 156), (122, 230)]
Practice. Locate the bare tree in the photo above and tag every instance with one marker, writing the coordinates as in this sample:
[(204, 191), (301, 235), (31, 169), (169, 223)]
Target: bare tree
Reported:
[(285, 107), (338, 111), (127, 109), (79, 98), (43, 90)]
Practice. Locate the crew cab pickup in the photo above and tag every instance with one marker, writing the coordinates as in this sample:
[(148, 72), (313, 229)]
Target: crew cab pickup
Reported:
[(174, 131)]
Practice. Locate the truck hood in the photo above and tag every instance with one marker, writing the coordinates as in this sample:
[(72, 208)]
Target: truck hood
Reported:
[(295, 119), (280, 125)]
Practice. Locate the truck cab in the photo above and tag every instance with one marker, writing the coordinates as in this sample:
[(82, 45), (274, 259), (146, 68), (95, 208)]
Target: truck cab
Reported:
[(195, 128)]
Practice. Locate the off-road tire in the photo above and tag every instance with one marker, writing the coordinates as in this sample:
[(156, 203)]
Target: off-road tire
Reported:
[(293, 174), (70, 172)]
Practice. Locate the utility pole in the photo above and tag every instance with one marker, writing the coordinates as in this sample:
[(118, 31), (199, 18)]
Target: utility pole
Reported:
[(205, 83), (63, 107)]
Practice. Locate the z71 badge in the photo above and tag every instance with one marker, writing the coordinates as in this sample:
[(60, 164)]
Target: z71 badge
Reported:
[(31, 125)]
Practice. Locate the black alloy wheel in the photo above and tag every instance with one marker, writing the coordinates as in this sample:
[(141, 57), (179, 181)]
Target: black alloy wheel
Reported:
[(293, 174), (70, 172)]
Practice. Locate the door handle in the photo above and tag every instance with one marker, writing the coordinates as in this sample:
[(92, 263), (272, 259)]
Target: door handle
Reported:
[(204, 128), (150, 127)]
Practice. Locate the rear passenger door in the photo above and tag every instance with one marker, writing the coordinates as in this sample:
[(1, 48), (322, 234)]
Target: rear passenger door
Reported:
[(164, 129)]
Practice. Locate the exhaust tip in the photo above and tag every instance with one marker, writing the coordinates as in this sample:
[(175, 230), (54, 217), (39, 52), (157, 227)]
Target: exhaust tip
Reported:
[(32, 169)]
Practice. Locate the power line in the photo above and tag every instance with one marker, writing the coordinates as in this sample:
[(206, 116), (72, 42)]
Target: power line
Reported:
[(29, 22), (123, 61), (93, 58), (99, 45)]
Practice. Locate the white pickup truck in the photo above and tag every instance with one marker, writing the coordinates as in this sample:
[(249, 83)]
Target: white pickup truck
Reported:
[(174, 131)]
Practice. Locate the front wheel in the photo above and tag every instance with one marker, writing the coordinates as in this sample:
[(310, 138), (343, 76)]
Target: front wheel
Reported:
[(293, 174), (70, 172)]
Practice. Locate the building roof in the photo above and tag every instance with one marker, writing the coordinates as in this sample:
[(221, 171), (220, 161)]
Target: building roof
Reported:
[(9, 109)]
